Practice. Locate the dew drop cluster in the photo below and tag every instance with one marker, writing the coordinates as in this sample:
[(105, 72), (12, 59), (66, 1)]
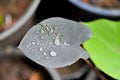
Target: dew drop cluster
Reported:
[(56, 39)]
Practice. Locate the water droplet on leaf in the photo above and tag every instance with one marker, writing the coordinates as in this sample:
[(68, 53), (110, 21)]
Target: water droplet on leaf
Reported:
[(41, 49), (50, 43), (57, 40), (46, 57), (33, 43), (42, 37), (53, 53), (42, 31), (44, 54), (27, 46)]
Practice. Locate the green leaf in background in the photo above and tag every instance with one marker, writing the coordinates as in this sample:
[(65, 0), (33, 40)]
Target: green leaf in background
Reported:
[(1, 20), (104, 46)]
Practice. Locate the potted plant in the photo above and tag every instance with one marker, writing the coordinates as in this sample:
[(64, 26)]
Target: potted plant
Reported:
[(15, 21)]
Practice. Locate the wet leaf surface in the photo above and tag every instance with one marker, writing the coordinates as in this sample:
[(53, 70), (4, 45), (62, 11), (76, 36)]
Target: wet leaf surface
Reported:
[(55, 42)]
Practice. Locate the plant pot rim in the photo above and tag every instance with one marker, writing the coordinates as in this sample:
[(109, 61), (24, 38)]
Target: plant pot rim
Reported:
[(96, 10), (24, 18)]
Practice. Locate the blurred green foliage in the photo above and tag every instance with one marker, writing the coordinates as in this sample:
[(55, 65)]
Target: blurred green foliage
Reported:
[(1, 20), (104, 46)]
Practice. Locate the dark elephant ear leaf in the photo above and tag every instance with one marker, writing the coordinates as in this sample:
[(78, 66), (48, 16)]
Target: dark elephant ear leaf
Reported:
[(55, 42), (104, 47)]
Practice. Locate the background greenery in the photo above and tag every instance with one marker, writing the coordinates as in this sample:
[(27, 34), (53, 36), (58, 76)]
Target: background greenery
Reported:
[(104, 46)]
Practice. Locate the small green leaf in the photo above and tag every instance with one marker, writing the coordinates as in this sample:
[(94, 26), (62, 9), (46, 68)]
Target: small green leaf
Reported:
[(104, 47), (1, 20)]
